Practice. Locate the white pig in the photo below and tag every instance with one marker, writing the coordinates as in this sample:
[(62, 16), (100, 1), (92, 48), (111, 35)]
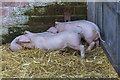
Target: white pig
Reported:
[(57, 41), (88, 30)]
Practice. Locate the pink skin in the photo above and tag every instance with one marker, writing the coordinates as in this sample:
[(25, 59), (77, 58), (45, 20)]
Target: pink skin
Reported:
[(52, 30), (14, 46), (43, 33), (19, 42), (57, 41), (88, 30), (24, 38)]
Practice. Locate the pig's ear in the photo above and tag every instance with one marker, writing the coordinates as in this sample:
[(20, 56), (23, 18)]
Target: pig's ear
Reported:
[(27, 32), (57, 22), (24, 38)]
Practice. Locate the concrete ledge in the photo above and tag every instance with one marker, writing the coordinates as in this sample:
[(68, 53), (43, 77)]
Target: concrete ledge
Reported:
[(3, 31), (21, 19)]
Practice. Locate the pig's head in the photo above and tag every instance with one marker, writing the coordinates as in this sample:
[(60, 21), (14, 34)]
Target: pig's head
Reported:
[(19, 42), (52, 30), (25, 41), (59, 26), (14, 46)]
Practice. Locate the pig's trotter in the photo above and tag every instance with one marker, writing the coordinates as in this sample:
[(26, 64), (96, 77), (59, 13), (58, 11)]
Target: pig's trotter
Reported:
[(82, 51)]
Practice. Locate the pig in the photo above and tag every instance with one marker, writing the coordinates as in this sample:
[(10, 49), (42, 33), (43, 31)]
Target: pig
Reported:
[(52, 29), (53, 41), (88, 30)]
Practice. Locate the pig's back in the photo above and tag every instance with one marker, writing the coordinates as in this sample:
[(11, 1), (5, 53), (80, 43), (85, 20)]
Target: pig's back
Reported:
[(60, 40), (84, 24)]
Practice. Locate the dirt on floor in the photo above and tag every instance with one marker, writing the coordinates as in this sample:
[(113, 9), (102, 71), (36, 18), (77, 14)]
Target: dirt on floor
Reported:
[(63, 63)]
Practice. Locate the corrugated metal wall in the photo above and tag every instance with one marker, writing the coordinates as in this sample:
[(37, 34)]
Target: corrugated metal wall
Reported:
[(107, 16)]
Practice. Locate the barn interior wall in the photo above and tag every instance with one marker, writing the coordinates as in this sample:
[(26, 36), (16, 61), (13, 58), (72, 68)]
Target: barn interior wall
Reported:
[(106, 15)]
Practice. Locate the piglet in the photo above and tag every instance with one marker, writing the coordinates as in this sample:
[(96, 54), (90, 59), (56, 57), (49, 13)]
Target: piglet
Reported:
[(88, 30), (53, 41)]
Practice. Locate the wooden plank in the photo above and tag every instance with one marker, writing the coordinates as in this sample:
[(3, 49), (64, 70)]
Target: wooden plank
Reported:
[(57, 16)]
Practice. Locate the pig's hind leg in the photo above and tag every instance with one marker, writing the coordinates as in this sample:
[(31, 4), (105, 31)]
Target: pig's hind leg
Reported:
[(97, 43), (91, 44), (80, 48)]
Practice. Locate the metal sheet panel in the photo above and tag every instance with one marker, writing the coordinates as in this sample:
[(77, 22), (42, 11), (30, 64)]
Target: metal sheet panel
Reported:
[(118, 39), (112, 5), (91, 11), (98, 10), (109, 30), (107, 16), (118, 7), (111, 33), (118, 56)]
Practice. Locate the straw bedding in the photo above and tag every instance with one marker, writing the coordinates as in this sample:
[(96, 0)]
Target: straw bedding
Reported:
[(63, 63)]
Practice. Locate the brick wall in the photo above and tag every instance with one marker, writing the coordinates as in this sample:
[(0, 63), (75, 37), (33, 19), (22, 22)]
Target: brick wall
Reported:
[(13, 14)]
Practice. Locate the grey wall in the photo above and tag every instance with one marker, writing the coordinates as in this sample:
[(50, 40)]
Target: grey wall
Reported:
[(91, 11), (119, 42), (107, 16)]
